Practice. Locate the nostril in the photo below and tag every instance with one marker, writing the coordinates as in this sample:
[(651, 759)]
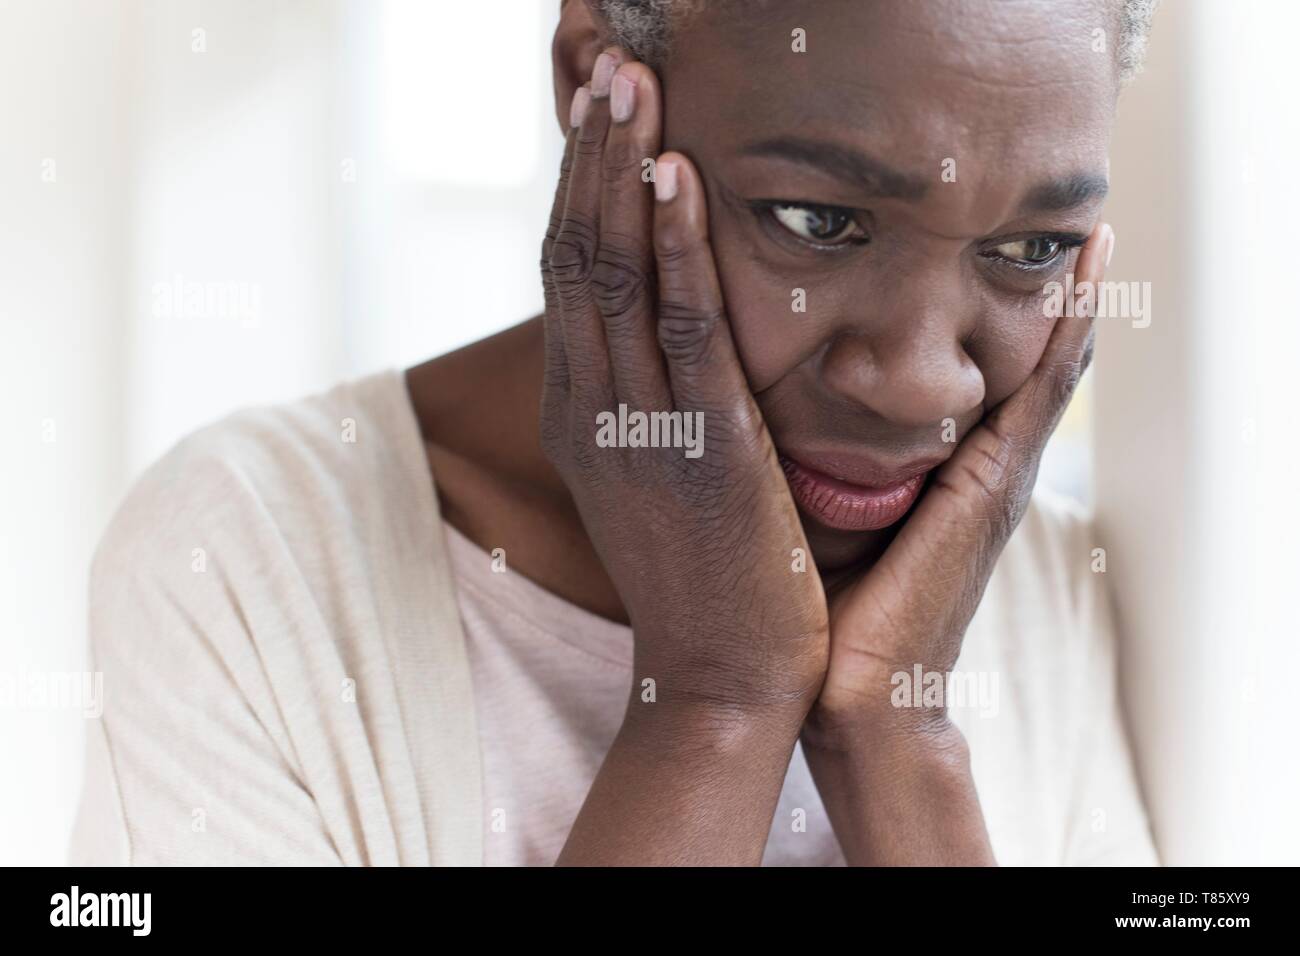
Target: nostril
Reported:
[(905, 382)]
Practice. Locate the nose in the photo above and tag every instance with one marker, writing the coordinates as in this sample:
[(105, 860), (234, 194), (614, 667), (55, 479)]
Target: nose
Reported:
[(903, 357)]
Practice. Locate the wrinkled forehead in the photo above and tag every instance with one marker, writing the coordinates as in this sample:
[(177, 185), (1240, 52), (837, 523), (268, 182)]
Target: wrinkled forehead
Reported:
[(1013, 36), (1011, 89)]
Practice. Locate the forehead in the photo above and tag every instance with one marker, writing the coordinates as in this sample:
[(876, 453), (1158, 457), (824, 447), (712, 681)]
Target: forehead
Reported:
[(998, 85)]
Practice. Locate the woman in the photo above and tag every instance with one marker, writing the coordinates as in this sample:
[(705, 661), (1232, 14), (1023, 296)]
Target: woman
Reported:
[(479, 612)]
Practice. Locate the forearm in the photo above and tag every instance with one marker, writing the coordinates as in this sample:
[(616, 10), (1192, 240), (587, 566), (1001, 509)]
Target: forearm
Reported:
[(680, 787), (899, 797)]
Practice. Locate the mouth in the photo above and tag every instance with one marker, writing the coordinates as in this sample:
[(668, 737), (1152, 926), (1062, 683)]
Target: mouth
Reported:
[(850, 494)]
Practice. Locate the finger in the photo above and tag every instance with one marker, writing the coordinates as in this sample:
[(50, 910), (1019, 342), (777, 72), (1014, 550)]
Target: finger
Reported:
[(573, 253), (623, 278), (692, 330), (557, 370)]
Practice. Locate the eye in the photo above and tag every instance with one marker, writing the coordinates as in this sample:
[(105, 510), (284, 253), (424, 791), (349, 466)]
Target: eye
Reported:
[(1034, 251), (818, 225)]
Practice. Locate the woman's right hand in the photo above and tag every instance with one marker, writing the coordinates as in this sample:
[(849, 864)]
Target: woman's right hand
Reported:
[(701, 549)]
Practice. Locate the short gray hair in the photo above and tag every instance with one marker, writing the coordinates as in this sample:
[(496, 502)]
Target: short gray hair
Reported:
[(645, 27)]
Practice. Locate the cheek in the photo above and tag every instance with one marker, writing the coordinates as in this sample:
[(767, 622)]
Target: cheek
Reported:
[(1007, 345), (772, 338)]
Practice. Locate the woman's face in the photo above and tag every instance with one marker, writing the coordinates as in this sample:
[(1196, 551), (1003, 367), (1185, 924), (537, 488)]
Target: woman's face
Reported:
[(920, 173)]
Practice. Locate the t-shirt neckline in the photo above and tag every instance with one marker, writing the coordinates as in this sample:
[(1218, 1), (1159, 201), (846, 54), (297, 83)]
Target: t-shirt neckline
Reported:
[(534, 605)]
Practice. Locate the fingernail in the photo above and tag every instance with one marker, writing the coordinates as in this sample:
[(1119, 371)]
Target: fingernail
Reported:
[(1110, 244), (665, 181), (622, 100), (603, 75), (578, 109)]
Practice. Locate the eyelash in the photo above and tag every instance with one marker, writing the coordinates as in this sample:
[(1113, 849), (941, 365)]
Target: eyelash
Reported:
[(766, 209), (1065, 242)]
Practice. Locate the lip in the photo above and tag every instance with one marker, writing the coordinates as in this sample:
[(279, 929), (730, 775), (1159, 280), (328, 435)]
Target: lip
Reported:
[(853, 494)]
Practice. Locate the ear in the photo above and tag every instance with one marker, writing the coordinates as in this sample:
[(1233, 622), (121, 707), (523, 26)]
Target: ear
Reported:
[(579, 39)]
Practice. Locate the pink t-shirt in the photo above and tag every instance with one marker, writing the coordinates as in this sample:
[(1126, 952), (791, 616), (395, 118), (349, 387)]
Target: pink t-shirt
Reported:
[(551, 684)]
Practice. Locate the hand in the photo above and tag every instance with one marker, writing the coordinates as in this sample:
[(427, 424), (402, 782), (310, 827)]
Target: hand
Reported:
[(699, 548), (896, 781), (913, 606)]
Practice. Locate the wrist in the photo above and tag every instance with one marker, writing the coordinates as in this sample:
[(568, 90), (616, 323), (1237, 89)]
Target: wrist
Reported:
[(728, 687), (693, 730), (882, 730), (684, 784), (900, 795)]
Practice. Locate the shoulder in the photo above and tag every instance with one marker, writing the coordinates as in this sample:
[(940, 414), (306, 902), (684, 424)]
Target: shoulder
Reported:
[(289, 474), (1046, 608), (270, 568), (1053, 557), (289, 523), (1046, 620)]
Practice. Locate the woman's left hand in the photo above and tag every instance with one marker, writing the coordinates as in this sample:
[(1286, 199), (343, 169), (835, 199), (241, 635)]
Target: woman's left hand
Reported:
[(913, 606)]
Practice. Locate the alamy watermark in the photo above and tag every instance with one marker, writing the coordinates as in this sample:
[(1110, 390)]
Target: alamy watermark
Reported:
[(1105, 300), (651, 430), (53, 690), (76, 908), (232, 300), (975, 690)]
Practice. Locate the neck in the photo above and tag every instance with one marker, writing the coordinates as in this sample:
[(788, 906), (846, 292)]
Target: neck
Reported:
[(478, 410)]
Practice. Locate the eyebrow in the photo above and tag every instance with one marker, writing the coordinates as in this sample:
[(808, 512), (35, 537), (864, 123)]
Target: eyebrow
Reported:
[(1066, 193), (849, 165), (883, 181)]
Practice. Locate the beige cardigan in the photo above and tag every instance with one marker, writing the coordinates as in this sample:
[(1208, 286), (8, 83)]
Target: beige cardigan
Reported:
[(285, 676)]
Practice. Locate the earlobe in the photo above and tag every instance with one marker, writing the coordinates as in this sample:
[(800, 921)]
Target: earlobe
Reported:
[(579, 39)]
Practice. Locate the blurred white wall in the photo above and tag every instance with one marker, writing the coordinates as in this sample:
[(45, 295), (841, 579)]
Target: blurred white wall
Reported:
[(340, 185), (62, 373), (232, 212), (1196, 447)]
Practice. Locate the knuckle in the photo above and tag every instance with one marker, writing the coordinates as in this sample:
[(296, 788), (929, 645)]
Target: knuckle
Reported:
[(622, 164), (548, 241), (548, 245), (572, 253), (591, 139), (619, 279), (685, 331), (990, 499), (672, 248), (550, 296), (1065, 379), (1000, 477)]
